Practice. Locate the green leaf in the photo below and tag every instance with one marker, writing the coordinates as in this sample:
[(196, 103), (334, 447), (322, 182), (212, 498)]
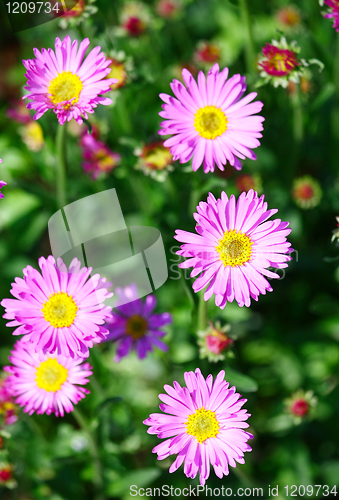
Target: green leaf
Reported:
[(182, 352), (15, 205), (34, 230), (242, 382), (140, 478), (109, 401), (324, 95)]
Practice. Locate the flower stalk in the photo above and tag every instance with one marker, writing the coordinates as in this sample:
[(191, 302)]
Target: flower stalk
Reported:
[(298, 120), (60, 180), (335, 113), (98, 480), (249, 47), (202, 312)]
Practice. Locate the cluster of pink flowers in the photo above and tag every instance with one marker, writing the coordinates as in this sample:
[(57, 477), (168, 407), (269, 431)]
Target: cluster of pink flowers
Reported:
[(60, 314)]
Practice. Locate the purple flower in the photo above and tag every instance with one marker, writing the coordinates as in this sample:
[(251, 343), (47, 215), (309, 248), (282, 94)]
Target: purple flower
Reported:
[(205, 425), (210, 121), (234, 247), (134, 325), (45, 383), (61, 81), (60, 311)]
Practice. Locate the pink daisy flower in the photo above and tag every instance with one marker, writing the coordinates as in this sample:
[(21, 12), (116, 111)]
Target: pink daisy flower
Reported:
[(8, 410), (134, 326), (278, 61), (169, 9), (210, 121), (207, 53), (204, 422), (61, 310), (6, 471), (234, 248), (46, 383), (61, 81), (333, 12), (97, 157)]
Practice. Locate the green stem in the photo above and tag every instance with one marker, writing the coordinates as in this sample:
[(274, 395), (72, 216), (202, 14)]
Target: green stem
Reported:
[(298, 125), (202, 312), (181, 36), (123, 114), (298, 134), (60, 146), (98, 480), (335, 113), (249, 47)]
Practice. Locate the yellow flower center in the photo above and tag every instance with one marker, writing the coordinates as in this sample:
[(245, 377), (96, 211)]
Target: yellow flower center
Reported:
[(32, 136), (136, 326), (65, 87), (7, 406), (105, 162), (235, 248), (158, 158), (279, 62), (50, 375), (210, 122), (60, 310), (202, 424)]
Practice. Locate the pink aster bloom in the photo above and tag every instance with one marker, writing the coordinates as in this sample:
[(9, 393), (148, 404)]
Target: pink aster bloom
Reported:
[(46, 383), (19, 113), (300, 405), (6, 471), (97, 156), (289, 16), (333, 12), (61, 81), (61, 310), (204, 422), (210, 121), (135, 18), (169, 9), (7, 406), (134, 326), (207, 53), (278, 61), (234, 247)]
